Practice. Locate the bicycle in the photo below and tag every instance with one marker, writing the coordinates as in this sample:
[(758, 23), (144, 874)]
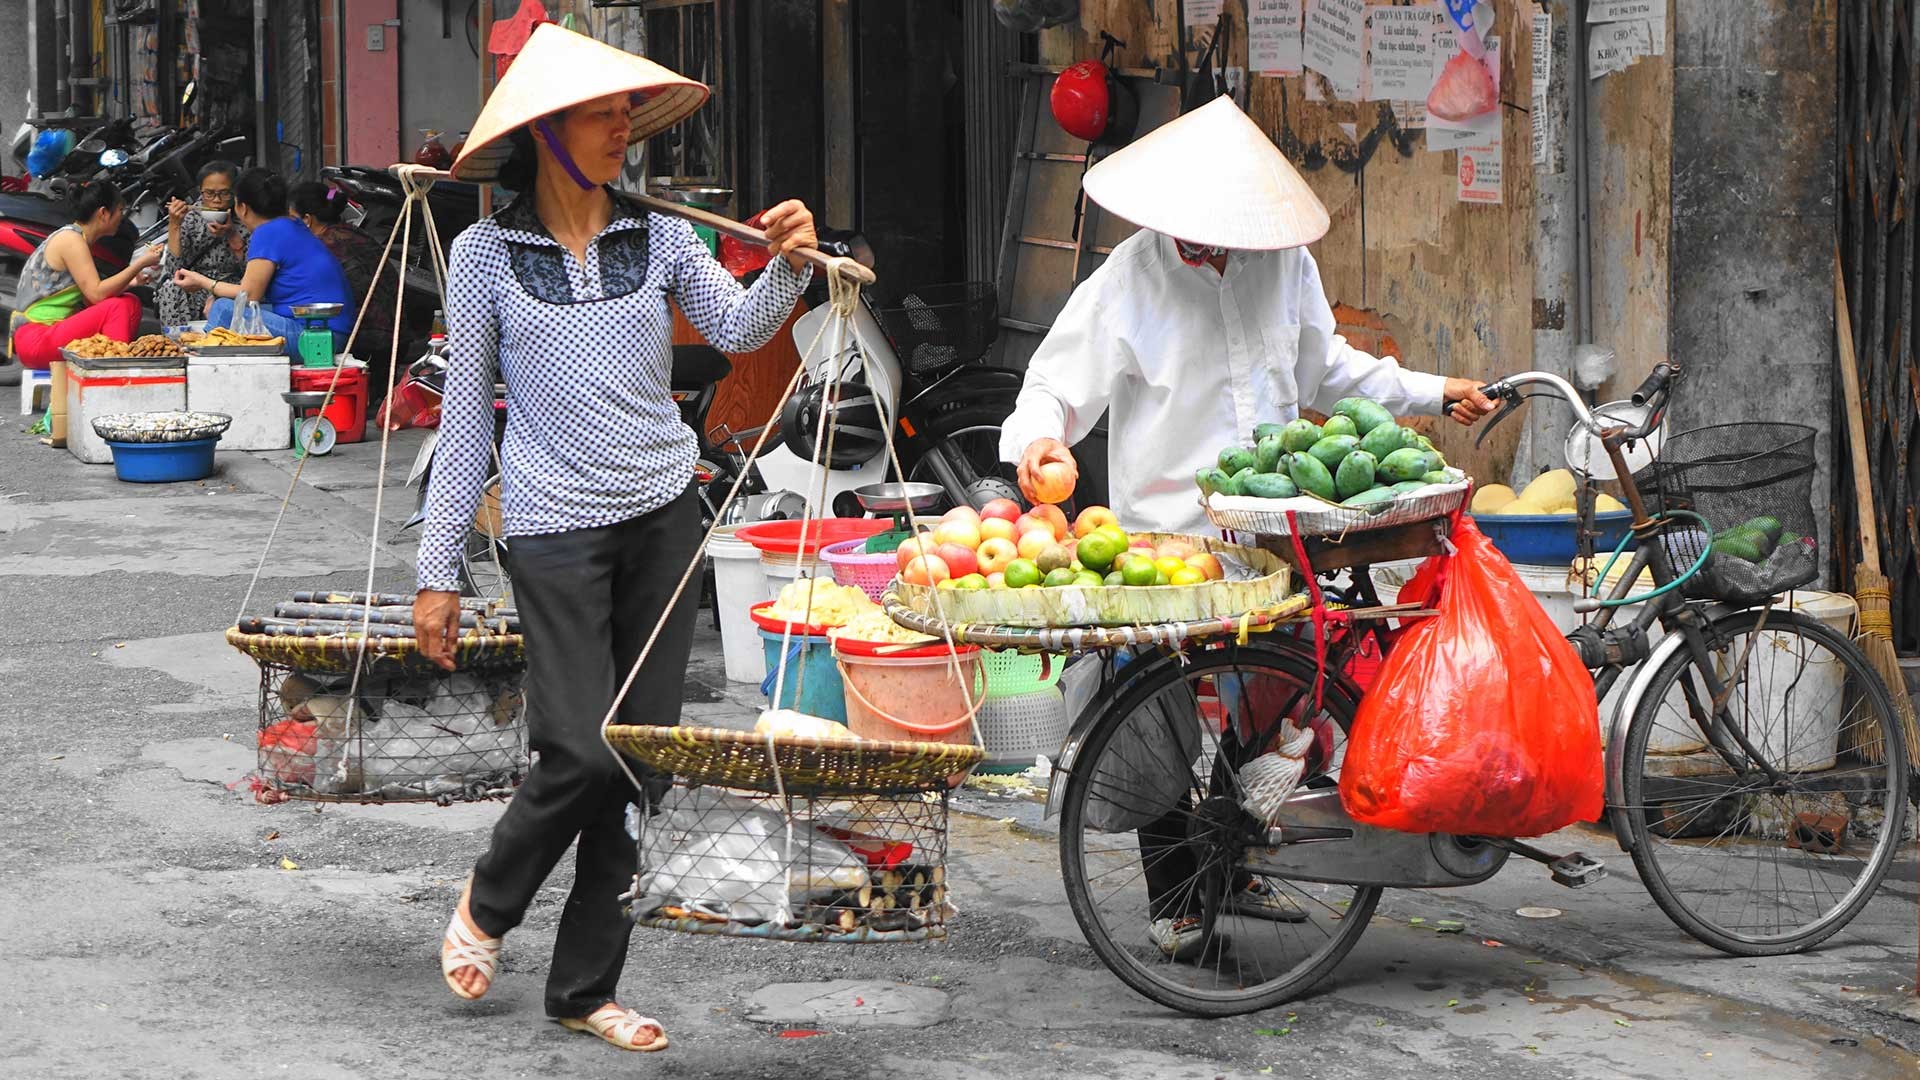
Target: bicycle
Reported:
[(1751, 842)]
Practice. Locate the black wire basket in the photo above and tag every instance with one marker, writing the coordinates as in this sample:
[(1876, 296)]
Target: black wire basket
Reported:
[(1753, 483), (940, 326)]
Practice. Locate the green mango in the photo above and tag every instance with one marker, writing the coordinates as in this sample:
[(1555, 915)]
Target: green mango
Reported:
[(1406, 463), (1370, 497), (1299, 435), (1270, 486), (1268, 452), (1365, 414), (1355, 474), (1737, 548), (1261, 431), (1331, 452), (1210, 479), (1405, 486), (1384, 440), (1310, 475), (1436, 476), (1338, 424), (1235, 458), (1789, 538), (1769, 525), (1227, 485), (1239, 479)]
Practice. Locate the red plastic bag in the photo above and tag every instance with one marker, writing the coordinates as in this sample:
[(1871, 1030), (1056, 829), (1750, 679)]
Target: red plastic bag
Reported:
[(741, 258), (1464, 90), (1483, 720)]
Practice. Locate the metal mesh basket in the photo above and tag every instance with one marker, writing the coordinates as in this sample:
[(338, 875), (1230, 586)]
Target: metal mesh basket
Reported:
[(403, 737), (756, 864), (942, 325), (1749, 481)]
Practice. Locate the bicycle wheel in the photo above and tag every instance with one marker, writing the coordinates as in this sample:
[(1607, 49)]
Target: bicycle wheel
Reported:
[(1160, 763), (1777, 849)]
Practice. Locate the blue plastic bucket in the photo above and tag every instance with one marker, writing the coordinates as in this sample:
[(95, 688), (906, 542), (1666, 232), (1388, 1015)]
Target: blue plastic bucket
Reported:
[(163, 462), (1551, 539), (819, 692)]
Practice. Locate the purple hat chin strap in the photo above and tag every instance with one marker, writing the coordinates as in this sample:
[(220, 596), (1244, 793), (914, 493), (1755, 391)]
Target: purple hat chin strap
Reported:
[(560, 154)]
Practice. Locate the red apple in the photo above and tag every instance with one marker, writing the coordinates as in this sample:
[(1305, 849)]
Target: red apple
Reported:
[(926, 570), (1004, 509), (1092, 518), (960, 532), (962, 513), (1056, 481), (996, 581), (1178, 549), (996, 528), (1055, 518), (1208, 564), (1036, 540), (959, 559), (912, 546), (995, 553), (1026, 523)]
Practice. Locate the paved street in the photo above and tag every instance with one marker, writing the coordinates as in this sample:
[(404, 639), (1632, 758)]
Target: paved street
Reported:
[(156, 922)]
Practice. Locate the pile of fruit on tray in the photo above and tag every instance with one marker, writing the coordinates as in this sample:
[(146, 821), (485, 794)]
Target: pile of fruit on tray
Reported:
[(1551, 494), (1001, 547), (1358, 458)]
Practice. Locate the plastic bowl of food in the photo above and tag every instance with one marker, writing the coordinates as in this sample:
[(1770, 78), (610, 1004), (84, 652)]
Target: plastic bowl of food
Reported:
[(214, 217)]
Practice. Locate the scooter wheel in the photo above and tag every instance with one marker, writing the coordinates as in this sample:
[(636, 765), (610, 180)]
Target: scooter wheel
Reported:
[(317, 436)]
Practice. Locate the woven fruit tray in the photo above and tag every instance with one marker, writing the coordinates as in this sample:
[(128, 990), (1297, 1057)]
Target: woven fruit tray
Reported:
[(1255, 580), (794, 764), (1317, 517)]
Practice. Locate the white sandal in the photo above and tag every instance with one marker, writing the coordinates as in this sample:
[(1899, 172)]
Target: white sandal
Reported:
[(464, 947), (620, 1026)]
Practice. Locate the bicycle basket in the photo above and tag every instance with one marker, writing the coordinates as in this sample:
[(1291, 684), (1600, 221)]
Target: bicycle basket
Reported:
[(942, 325), (1753, 483)]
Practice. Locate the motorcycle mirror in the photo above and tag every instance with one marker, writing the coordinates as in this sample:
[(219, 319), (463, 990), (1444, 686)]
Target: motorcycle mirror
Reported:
[(113, 159)]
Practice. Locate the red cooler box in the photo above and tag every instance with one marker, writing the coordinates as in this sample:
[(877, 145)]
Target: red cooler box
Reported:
[(348, 410)]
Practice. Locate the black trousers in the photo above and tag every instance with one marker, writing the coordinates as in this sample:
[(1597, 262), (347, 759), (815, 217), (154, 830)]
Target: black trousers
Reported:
[(588, 599)]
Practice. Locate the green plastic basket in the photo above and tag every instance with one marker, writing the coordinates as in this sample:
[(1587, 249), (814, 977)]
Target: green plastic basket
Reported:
[(1010, 673)]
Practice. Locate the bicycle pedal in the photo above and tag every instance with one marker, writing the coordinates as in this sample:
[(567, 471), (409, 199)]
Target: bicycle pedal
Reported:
[(1576, 871)]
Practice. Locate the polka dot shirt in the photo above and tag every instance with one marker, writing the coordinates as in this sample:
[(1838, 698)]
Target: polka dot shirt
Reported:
[(593, 436)]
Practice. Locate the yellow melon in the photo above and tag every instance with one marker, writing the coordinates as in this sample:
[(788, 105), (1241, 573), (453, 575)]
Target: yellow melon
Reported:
[(1607, 504), (1550, 488), (1491, 498)]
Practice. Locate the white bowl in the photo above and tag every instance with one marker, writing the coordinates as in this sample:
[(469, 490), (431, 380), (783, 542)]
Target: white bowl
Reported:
[(215, 217)]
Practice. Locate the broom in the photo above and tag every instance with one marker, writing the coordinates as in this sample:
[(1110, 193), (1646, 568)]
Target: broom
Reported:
[(1869, 584)]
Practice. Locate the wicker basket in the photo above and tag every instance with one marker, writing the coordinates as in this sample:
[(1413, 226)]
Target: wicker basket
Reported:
[(1263, 581)]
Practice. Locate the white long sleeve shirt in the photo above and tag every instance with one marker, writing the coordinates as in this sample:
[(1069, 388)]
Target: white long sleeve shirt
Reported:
[(1188, 360)]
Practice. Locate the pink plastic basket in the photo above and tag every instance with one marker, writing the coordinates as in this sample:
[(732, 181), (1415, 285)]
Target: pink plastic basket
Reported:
[(852, 566)]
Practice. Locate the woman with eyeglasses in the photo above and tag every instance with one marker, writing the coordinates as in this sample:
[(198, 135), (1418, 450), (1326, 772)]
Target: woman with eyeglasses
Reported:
[(204, 237)]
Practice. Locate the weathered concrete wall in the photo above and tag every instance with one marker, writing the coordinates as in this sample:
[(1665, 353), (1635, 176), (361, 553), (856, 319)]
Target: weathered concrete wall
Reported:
[(13, 75), (1753, 215)]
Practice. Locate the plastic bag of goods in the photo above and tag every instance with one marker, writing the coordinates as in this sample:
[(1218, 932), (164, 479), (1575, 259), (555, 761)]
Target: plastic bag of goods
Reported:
[(728, 857), (1482, 720)]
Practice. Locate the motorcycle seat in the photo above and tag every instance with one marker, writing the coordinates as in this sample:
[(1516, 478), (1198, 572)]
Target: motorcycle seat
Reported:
[(696, 367)]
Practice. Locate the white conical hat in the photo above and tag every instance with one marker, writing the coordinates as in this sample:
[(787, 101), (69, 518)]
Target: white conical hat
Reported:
[(559, 69), (1210, 177)]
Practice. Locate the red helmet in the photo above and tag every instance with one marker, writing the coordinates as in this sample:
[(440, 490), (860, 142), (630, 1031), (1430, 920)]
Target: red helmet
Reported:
[(1082, 100)]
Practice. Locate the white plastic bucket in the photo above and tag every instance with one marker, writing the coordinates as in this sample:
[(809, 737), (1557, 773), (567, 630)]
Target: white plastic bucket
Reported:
[(1807, 730), (739, 582)]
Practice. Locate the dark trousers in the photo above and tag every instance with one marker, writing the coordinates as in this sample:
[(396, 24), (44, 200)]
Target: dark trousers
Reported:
[(588, 599)]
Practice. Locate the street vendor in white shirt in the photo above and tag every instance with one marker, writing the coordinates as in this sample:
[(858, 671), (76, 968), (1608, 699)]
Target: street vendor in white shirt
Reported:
[(1206, 321)]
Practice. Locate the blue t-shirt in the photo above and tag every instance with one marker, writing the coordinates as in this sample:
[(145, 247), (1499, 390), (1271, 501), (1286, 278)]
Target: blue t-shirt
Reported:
[(304, 271)]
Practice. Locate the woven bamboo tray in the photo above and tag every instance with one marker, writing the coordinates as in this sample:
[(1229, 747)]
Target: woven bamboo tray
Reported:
[(1070, 639), (1116, 605), (1317, 517), (810, 766), (396, 655)]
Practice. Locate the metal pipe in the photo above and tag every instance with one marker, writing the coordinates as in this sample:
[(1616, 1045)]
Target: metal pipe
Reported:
[(1582, 194), (261, 129), (62, 57)]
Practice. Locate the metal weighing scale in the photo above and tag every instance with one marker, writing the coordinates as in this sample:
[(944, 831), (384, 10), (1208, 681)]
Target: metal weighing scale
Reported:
[(312, 433), (896, 499), (315, 343)]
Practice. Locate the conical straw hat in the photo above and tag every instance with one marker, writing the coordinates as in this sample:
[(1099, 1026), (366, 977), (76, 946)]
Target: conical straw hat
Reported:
[(558, 69), (1210, 177)]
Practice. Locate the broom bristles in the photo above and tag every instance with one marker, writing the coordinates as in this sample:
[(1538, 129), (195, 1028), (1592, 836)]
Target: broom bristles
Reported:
[(1876, 641)]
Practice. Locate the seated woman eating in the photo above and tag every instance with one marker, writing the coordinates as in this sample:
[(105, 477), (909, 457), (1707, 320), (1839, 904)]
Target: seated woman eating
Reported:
[(62, 297), (287, 266), (205, 238)]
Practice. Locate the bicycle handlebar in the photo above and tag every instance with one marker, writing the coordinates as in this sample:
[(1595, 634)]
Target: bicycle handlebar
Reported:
[(1653, 390)]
